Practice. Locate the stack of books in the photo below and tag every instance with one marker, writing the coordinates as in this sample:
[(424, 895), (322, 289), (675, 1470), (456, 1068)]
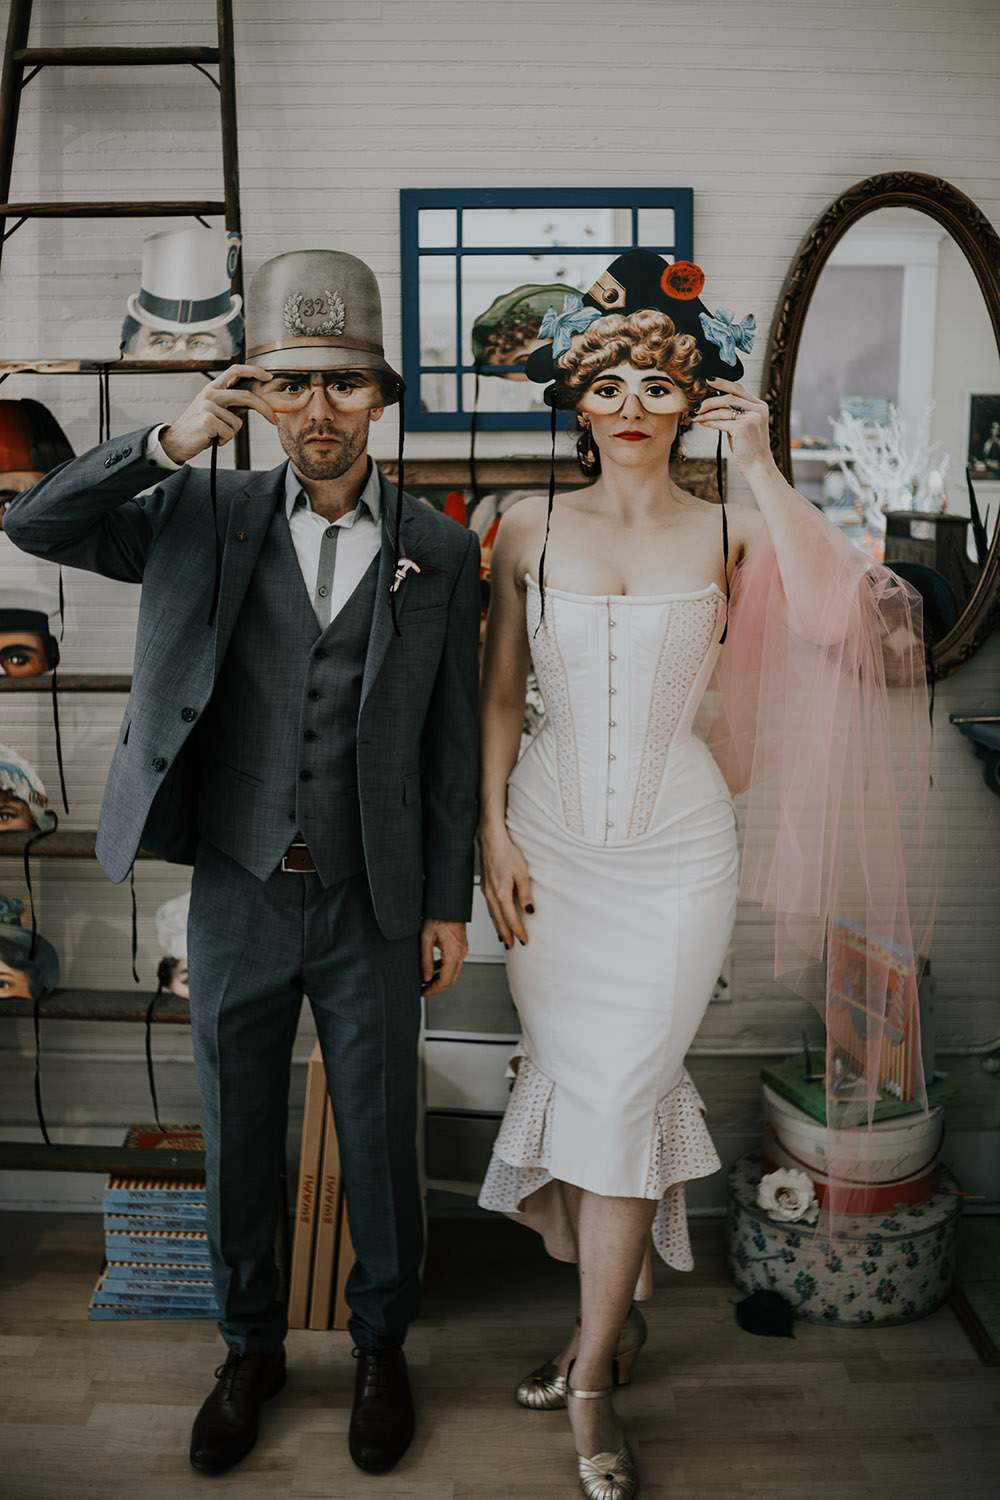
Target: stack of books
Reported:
[(322, 1254), (155, 1242)]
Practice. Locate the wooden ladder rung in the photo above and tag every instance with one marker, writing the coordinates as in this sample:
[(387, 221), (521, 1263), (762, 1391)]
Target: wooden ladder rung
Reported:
[(112, 365), (112, 57), (173, 209)]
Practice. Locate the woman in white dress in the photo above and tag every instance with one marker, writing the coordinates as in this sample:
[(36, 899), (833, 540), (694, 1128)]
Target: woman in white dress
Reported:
[(609, 850)]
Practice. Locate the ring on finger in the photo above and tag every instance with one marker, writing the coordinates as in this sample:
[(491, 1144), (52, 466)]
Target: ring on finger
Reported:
[(737, 411)]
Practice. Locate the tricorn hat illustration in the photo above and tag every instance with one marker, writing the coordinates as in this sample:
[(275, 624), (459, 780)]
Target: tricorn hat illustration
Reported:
[(637, 280)]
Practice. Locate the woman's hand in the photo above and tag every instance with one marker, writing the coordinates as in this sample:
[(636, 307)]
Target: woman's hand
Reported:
[(506, 885), (744, 420)]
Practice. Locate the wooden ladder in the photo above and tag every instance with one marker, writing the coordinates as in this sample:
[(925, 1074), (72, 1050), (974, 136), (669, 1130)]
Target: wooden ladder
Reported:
[(21, 64)]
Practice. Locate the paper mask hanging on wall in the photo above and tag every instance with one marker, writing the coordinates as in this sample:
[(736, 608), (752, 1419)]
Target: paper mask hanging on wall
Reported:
[(24, 806), (507, 332), (27, 646), (171, 934), (31, 443), (184, 308), (28, 969)]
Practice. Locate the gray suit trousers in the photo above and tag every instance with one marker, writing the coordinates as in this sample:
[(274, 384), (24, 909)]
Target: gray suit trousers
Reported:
[(254, 948)]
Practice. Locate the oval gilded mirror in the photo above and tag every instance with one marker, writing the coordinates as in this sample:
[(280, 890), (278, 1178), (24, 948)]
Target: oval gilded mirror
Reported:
[(883, 379)]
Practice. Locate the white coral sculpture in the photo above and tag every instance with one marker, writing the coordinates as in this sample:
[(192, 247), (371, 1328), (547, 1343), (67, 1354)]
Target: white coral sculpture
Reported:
[(889, 474)]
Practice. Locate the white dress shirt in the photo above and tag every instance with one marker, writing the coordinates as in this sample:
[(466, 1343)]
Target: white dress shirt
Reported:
[(333, 555)]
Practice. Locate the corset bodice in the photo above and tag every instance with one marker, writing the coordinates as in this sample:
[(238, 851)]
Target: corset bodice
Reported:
[(622, 677)]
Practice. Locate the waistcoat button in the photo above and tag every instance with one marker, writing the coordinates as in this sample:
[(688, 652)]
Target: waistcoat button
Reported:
[(310, 734), (189, 715), (305, 776), (319, 654), (313, 695), (241, 536), (158, 763)]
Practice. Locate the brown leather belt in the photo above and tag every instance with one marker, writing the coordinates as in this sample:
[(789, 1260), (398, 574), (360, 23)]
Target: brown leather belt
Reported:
[(298, 860)]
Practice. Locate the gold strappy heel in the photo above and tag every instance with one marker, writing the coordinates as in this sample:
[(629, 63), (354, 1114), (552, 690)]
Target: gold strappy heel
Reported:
[(545, 1388), (606, 1476)]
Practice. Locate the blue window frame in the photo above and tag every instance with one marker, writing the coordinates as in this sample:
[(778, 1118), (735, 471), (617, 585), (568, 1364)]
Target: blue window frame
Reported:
[(465, 252)]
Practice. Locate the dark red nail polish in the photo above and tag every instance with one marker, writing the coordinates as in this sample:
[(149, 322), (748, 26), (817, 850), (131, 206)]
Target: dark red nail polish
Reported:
[(530, 910)]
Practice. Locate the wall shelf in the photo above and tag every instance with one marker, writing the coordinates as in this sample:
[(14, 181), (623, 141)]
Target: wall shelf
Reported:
[(73, 682), (65, 843)]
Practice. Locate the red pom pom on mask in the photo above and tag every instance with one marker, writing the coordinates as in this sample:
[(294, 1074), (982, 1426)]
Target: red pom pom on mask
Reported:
[(683, 280)]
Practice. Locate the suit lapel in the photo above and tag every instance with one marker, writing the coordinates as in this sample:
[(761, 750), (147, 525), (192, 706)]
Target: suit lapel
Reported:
[(418, 544), (246, 524)]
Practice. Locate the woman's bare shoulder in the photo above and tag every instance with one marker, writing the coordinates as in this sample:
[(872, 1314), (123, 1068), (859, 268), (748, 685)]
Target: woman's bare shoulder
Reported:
[(523, 520)]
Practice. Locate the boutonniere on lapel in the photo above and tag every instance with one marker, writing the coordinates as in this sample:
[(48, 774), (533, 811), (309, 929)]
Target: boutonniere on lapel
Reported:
[(404, 566)]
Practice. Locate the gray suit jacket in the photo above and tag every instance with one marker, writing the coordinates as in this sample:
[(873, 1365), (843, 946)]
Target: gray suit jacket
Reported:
[(417, 732)]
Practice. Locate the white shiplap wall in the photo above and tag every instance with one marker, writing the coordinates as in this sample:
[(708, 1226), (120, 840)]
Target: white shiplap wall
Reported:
[(767, 108)]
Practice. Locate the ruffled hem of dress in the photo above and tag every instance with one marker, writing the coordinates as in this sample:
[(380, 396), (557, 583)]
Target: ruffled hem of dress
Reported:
[(681, 1150)]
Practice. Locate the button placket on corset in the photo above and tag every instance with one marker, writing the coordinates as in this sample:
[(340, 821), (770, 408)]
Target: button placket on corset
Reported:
[(614, 737)]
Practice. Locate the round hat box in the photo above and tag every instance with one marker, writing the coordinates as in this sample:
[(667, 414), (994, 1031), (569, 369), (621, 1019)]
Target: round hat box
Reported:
[(887, 1269), (896, 1162)]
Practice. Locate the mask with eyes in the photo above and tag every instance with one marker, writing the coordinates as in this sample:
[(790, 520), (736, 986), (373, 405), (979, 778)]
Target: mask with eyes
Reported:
[(27, 646)]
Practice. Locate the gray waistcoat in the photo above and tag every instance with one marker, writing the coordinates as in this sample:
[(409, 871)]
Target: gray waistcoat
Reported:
[(279, 737)]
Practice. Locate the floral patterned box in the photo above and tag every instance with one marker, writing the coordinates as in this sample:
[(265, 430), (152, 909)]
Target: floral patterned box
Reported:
[(888, 1268)]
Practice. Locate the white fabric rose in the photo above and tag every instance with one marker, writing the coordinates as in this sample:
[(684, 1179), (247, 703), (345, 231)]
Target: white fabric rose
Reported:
[(787, 1196)]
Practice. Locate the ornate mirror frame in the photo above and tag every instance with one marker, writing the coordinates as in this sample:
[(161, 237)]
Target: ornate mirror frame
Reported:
[(980, 244)]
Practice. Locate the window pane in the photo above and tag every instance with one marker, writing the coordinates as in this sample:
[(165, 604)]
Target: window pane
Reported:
[(438, 392), (656, 226), (437, 227), (487, 227), (503, 393), (505, 328), (437, 310)]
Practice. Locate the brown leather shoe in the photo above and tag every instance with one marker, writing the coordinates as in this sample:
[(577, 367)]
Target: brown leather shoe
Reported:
[(382, 1419), (226, 1427)]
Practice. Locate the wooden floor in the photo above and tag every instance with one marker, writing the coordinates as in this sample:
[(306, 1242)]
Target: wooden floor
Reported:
[(92, 1411)]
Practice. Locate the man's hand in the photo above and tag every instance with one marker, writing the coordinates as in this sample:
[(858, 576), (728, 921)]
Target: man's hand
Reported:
[(450, 942), (213, 414)]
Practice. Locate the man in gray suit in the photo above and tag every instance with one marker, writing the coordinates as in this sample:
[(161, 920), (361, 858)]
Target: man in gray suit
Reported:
[(301, 728)]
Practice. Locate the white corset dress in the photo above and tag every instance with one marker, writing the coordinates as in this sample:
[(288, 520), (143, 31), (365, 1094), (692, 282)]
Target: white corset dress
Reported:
[(628, 830)]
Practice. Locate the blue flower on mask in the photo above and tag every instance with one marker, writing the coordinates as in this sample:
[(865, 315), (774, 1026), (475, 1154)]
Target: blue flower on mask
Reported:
[(560, 326), (729, 336)]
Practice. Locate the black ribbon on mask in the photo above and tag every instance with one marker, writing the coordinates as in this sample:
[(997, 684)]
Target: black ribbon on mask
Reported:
[(150, 1008), (720, 482), (473, 430), (553, 413), (214, 497), (29, 844), (398, 521)]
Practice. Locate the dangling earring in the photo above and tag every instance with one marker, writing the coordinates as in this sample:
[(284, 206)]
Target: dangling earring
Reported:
[(588, 455)]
